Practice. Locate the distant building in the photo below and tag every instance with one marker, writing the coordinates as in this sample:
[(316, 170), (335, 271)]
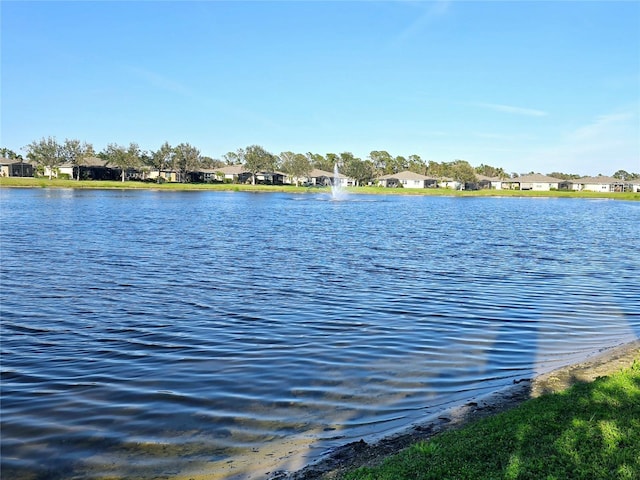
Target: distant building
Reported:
[(407, 179), (599, 184), (484, 182), (535, 182), (15, 168)]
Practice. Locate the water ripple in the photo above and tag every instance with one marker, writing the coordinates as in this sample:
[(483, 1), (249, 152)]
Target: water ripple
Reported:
[(237, 329)]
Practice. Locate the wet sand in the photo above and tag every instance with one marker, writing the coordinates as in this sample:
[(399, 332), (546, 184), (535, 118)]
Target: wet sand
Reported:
[(360, 453)]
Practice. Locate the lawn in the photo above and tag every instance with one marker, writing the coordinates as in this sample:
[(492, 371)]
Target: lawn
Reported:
[(590, 431)]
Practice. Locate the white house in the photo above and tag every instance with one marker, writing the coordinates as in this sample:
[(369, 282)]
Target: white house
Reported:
[(407, 179), (494, 183), (233, 173), (93, 168), (535, 182), (449, 183), (598, 184), (166, 175), (15, 168), (322, 178)]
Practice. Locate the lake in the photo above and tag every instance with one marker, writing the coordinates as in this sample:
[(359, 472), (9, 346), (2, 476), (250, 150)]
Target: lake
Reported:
[(224, 335)]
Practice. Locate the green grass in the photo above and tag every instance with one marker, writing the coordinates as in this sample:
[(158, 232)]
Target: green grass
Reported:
[(59, 183), (493, 193), (590, 431), (116, 184)]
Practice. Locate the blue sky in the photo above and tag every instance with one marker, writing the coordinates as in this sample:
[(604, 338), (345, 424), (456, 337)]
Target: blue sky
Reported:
[(528, 86)]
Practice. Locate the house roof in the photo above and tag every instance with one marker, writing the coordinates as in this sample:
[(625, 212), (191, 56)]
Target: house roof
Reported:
[(12, 161), (232, 169), (94, 162), (488, 179), (405, 175), (601, 180), (89, 162), (536, 177), (320, 173)]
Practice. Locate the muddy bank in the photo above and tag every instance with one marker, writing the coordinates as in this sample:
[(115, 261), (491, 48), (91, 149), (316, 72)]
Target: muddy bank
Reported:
[(360, 453)]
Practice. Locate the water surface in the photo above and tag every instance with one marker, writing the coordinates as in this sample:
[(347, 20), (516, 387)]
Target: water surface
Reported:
[(176, 334)]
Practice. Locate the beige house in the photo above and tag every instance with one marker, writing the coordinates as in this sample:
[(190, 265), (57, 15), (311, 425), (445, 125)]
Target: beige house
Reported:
[(15, 168), (233, 173), (535, 182), (93, 168), (165, 175), (407, 179), (239, 174), (598, 184), (493, 183), (449, 183), (322, 178)]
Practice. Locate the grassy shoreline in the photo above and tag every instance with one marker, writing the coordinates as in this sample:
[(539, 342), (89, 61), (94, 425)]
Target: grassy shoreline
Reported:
[(476, 423), (28, 182), (591, 430)]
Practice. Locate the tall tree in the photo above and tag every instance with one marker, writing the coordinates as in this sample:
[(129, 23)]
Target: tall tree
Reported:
[(162, 159), (346, 157), (489, 171), (319, 161), (234, 158), (187, 160), (209, 162), (622, 175), (346, 162), (400, 164), (284, 161), (382, 161), (122, 157), (416, 164), (257, 159), (331, 160), (563, 176), (75, 152), (46, 152), (296, 165), (462, 172), (10, 154), (362, 171)]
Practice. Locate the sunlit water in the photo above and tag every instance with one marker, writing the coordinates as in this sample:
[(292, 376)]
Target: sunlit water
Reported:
[(225, 335)]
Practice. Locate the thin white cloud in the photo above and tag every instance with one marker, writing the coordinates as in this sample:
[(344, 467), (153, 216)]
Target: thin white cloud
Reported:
[(430, 12), (530, 112), (602, 124), (603, 145)]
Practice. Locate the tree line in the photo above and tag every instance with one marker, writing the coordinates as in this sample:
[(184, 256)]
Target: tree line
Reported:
[(185, 159)]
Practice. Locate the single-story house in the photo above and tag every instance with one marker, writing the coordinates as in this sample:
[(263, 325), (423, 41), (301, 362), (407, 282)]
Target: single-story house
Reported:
[(15, 168), (598, 184), (239, 174), (322, 178), (535, 182), (165, 175), (271, 178), (449, 183), (407, 179), (233, 173), (91, 168), (485, 183)]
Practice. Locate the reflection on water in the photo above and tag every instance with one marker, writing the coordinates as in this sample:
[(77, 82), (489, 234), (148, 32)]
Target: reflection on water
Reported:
[(225, 335)]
